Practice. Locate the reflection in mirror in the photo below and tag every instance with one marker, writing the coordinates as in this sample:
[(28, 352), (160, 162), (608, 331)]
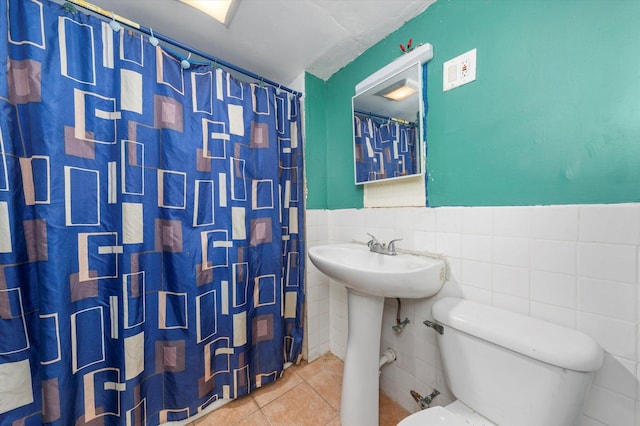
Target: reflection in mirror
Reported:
[(387, 128)]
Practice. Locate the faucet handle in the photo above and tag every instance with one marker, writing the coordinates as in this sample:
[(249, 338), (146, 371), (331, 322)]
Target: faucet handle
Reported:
[(391, 247), (373, 240)]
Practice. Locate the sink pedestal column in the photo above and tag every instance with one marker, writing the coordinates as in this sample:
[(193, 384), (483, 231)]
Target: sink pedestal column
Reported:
[(360, 384)]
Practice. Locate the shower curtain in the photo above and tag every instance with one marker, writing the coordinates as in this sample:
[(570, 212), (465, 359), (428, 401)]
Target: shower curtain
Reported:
[(151, 219), (384, 148)]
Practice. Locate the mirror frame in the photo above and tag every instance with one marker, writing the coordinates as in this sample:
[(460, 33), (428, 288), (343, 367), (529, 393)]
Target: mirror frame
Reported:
[(417, 58), (419, 157)]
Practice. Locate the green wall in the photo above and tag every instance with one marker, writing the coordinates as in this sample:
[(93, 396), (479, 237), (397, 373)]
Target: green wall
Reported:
[(553, 117), (315, 151)]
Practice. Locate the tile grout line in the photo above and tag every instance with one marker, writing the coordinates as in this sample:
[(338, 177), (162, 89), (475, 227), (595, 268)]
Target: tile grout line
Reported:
[(323, 398), (303, 381)]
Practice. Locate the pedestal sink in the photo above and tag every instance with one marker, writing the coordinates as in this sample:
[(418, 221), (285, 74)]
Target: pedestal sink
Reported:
[(369, 278)]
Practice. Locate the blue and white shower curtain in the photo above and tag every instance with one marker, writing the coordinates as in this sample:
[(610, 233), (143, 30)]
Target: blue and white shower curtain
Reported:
[(384, 148), (151, 219)]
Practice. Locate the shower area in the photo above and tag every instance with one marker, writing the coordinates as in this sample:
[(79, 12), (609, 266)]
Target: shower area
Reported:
[(151, 225)]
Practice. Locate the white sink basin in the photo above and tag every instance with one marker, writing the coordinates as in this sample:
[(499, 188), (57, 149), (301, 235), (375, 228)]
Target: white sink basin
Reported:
[(369, 278), (404, 275)]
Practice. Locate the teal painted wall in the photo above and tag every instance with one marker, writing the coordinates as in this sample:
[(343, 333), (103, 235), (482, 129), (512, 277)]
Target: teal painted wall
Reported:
[(553, 117), (315, 151)]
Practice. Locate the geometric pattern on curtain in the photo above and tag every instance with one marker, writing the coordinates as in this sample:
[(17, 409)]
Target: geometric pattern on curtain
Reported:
[(383, 148), (151, 220)]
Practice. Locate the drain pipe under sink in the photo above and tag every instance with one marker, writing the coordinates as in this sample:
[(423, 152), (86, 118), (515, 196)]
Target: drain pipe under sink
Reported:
[(389, 355)]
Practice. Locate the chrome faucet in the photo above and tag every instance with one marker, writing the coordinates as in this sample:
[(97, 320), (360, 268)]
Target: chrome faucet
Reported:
[(382, 248)]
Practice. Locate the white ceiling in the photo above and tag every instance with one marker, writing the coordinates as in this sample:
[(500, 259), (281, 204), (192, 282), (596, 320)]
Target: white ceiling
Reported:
[(277, 39)]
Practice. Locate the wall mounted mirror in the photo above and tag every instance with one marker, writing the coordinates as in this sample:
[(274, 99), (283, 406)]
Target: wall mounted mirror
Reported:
[(388, 111)]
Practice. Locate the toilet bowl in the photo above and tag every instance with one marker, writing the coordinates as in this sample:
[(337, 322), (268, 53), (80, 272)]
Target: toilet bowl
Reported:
[(508, 369), (454, 414)]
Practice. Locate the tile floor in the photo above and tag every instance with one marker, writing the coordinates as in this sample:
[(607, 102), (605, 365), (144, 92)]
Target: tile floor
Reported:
[(307, 394)]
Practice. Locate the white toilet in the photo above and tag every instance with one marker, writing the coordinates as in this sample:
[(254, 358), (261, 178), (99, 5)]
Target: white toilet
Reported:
[(508, 369)]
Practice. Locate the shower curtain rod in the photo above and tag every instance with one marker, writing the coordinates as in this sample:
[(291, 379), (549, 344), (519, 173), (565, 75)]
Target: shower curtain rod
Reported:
[(109, 14), (383, 117)]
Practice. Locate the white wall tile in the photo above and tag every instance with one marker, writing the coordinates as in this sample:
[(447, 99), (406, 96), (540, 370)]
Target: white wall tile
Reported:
[(476, 274), (317, 308), (409, 215), (316, 352), (371, 218), (554, 288), (405, 350), (608, 298), (638, 345), (454, 268), (422, 311), (511, 280), (342, 217), (425, 241), (617, 375), (608, 261), (425, 378), (405, 383), (449, 219), (575, 266), (616, 337), (477, 220), (555, 222), (317, 292), (512, 221), (388, 338), (316, 217), (425, 220), (425, 348), (511, 251), (511, 303), (318, 335), (553, 256), (618, 224), (449, 244), (450, 289), (555, 314), (476, 247), (610, 408), (476, 294)]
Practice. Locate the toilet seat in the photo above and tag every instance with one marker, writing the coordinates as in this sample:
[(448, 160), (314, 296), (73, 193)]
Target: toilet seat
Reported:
[(435, 416), (454, 414)]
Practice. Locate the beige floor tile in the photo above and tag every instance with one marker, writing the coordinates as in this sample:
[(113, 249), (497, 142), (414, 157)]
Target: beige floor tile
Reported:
[(268, 393), (299, 406), (328, 386), (306, 395), (334, 422), (334, 366), (255, 419), (229, 413), (390, 411), (328, 363)]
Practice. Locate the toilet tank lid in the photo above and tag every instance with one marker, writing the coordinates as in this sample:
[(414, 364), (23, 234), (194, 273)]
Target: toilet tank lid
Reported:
[(535, 338)]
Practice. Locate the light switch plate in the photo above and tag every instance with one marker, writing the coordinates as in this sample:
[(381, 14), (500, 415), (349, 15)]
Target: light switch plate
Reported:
[(459, 70)]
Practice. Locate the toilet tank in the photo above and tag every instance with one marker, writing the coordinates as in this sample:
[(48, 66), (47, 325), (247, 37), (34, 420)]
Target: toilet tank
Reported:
[(514, 369)]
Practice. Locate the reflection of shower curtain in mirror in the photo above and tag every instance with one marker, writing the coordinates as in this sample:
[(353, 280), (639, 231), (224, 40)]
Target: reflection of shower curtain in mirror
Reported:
[(151, 247), (384, 149)]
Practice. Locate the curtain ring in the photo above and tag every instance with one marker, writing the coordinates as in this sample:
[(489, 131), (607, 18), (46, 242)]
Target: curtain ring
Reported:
[(153, 40), (114, 24), (185, 64)]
